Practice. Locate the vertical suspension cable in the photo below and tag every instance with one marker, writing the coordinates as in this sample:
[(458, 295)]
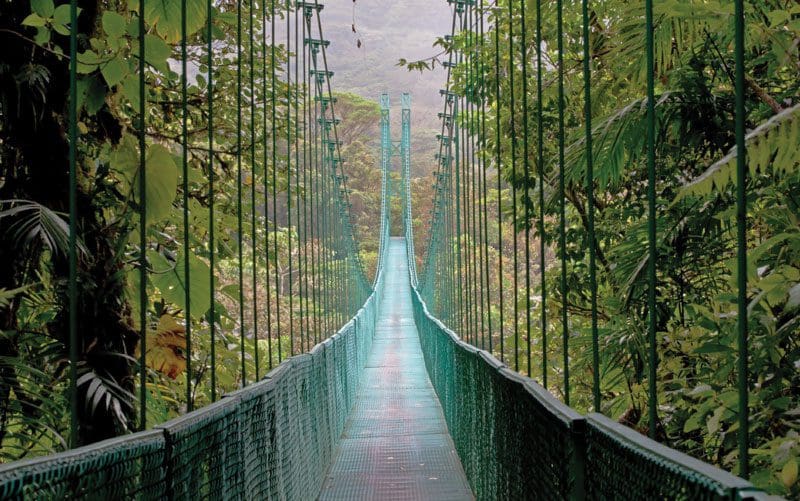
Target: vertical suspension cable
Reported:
[(289, 172), (315, 209), (513, 180), (457, 182), (73, 224), (212, 311), (254, 242), (741, 241), (297, 121), (273, 79), (562, 230), (466, 164), (477, 300), (142, 229), (306, 192), (267, 285), (652, 400), (297, 48), (540, 162), (185, 165), (498, 166), (326, 221), (476, 214), (485, 198), (239, 219), (587, 91), (526, 196)]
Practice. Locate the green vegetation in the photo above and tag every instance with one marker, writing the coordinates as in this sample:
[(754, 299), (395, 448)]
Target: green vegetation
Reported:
[(34, 334), (695, 207)]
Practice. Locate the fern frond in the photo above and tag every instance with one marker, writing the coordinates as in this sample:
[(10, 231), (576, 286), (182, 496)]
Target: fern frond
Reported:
[(771, 147), (679, 26), (617, 140)]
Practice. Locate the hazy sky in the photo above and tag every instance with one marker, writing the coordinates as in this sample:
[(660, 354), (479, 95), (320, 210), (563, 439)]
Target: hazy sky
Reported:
[(388, 30)]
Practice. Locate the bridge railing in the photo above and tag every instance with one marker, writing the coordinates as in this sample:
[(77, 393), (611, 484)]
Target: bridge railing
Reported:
[(514, 438), (271, 440)]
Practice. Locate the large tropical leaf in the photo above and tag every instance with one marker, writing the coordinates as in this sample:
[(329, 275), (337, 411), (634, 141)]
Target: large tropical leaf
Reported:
[(679, 26), (617, 140), (165, 15), (169, 277), (161, 180)]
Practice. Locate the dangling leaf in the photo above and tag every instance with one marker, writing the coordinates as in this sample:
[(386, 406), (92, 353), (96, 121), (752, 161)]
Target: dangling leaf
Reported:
[(166, 347)]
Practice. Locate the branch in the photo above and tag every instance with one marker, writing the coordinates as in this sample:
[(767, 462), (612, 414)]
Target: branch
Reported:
[(33, 42)]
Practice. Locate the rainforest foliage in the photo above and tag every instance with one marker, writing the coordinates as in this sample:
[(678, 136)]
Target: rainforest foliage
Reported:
[(34, 167), (695, 192), (696, 213)]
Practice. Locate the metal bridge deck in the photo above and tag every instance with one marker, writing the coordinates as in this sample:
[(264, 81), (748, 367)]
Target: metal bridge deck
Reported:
[(395, 444)]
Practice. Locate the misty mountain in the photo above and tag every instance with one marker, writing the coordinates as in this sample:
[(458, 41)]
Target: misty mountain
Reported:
[(389, 31)]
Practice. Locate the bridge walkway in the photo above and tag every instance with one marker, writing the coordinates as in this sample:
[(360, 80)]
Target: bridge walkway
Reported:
[(395, 444)]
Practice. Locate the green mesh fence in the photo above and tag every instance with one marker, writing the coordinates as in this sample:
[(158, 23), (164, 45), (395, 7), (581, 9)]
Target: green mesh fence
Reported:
[(514, 438), (128, 467), (271, 440), (650, 470), (203, 452)]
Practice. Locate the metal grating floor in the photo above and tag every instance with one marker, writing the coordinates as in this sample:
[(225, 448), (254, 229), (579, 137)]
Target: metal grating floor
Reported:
[(395, 444)]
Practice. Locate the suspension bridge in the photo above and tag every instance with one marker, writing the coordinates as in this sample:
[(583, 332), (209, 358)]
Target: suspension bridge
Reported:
[(395, 387)]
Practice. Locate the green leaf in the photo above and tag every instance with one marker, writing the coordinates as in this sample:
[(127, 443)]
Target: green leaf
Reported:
[(61, 15), (232, 291), (61, 29), (130, 89), (694, 422), (165, 16), (33, 20), (161, 183), (125, 159), (156, 52), (44, 8), (114, 24), (115, 70), (789, 473), (161, 175), (88, 61), (173, 286)]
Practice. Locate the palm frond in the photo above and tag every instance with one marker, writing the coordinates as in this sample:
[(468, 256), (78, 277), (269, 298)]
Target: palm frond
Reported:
[(679, 26), (617, 141), (32, 222), (772, 146)]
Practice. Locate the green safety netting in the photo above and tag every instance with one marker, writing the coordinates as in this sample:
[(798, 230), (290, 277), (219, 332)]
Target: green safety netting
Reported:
[(514, 438), (649, 469), (127, 467), (274, 439), (271, 440)]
